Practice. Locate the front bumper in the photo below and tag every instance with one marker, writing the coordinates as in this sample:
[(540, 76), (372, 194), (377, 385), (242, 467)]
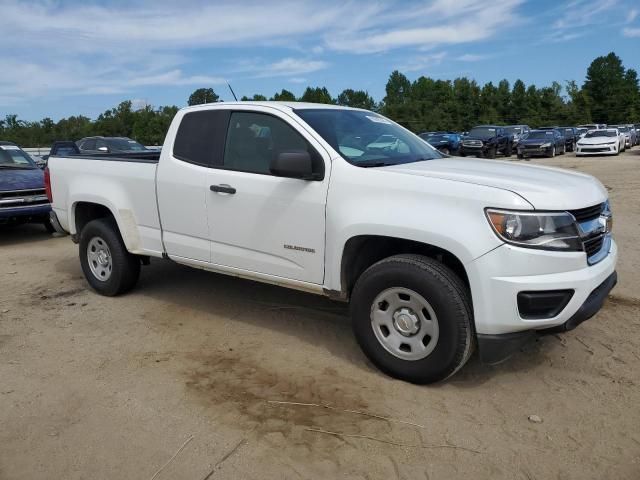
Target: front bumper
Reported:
[(535, 151), (24, 213), (596, 150), (497, 348)]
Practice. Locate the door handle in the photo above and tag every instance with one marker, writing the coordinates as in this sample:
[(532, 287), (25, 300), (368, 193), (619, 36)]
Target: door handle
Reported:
[(223, 188)]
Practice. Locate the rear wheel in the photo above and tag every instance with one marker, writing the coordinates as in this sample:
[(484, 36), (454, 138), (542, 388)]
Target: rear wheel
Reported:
[(49, 226), (412, 318), (107, 265), (508, 151)]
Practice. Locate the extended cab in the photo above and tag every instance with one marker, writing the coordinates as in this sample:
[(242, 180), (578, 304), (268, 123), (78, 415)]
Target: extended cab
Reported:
[(436, 255)]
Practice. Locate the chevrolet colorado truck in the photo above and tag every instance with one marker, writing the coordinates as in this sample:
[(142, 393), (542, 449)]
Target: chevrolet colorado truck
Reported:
[(436, 255)]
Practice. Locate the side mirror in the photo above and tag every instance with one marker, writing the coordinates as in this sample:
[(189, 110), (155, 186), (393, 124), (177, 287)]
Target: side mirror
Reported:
[(296, 164), (103, 149)]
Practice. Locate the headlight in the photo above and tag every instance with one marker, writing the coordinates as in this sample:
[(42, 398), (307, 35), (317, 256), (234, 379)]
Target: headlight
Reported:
[(545, 145), (546, 231)]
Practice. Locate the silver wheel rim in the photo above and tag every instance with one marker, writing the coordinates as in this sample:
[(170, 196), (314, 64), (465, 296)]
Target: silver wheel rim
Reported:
[(99, 258), (404, 323)]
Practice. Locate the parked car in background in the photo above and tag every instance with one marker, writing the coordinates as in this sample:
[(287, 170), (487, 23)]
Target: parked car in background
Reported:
[(570, 138), (559, 132), (447, 142), (487, 141), (592, 126), (581, 131), (601, 142), (541, 143), (437, 256), (629, 136), (23, 198), (39, 161), (518, 132), (110, 145), (635, 134)]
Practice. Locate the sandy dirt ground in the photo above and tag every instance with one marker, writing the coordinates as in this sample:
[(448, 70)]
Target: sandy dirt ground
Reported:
[(112, 388)]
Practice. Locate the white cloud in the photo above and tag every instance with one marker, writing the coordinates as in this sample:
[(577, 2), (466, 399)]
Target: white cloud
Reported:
[(423, 62), (472, 57), (115, 47), (631, 32), (633, 14)]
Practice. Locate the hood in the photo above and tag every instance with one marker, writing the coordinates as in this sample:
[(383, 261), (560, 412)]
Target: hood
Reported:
[(536, 141), (546, 188), (598, 140), (21, 179), (477, 137)]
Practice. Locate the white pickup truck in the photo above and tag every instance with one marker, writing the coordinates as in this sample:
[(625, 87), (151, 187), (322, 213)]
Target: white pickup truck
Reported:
[(435, 254)]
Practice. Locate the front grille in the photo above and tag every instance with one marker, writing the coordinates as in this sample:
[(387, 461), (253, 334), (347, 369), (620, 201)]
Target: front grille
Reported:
[(593, 245), (22, 193), (595, 149), (588, 213), (472, 143), (23, 198)]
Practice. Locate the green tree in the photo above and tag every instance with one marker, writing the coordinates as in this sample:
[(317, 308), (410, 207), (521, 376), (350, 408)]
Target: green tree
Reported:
[(356, 99), (284, 96), (203, 95), (607, 89), (517, 112), (317, 95)]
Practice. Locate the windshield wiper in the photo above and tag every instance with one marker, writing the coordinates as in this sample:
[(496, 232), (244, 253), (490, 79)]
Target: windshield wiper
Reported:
[(372, 164)]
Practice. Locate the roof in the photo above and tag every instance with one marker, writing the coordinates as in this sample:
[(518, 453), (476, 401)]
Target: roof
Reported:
[(283, 106), (2, 142)]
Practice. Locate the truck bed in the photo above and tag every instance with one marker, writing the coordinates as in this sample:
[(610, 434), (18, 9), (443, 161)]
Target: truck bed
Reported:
[(126, 180)]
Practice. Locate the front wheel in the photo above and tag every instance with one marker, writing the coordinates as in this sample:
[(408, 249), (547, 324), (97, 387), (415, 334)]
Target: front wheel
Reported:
[(107, 265), (412, 317), (553, 151), (491, 152), (445, 150)]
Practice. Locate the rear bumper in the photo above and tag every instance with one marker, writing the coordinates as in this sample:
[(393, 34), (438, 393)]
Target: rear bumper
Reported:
[(497, 348), (19, 213)]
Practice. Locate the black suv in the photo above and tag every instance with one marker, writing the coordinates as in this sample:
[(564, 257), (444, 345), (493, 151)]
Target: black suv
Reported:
[(487, 141)]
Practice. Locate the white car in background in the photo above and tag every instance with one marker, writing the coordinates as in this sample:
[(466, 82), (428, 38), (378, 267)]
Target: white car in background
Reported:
[(601, 142)]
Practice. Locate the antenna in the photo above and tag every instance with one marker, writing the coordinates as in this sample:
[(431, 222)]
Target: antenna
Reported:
[(232, 92)]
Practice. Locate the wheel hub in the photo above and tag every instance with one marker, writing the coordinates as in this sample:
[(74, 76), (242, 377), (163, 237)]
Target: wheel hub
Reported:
[(99, 259), (406, 322)]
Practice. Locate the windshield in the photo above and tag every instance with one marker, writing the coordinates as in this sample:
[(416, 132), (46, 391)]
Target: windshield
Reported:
[(568, 131), (580, 131), (367, 139), (601, 133), (540, 135), (514, 130), (483, 132), (126, 144), (623, 129), (12, 157)]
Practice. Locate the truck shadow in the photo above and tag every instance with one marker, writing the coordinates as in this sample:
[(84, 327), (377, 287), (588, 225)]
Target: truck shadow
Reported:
[(310, 318), (20, 234)]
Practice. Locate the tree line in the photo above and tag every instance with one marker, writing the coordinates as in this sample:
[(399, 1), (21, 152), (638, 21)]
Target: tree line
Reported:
[(609, 94)]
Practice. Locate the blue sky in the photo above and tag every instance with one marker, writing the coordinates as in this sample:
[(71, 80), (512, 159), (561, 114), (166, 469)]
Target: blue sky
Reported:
[(63, 58)]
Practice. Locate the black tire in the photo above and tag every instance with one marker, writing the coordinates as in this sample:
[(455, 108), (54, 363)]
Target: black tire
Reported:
[(553, 152), (445, 150), (449, 299), (125, 268), (491, 153), (508, 151), (520, 156)]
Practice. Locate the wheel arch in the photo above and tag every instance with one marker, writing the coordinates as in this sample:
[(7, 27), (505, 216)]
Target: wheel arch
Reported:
[(362, 251)]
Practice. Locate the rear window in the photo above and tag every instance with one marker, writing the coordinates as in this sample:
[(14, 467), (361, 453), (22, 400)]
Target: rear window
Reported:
[(201, 137)]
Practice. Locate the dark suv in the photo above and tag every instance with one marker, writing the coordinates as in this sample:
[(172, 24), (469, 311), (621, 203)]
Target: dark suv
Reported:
[(487, 141)]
